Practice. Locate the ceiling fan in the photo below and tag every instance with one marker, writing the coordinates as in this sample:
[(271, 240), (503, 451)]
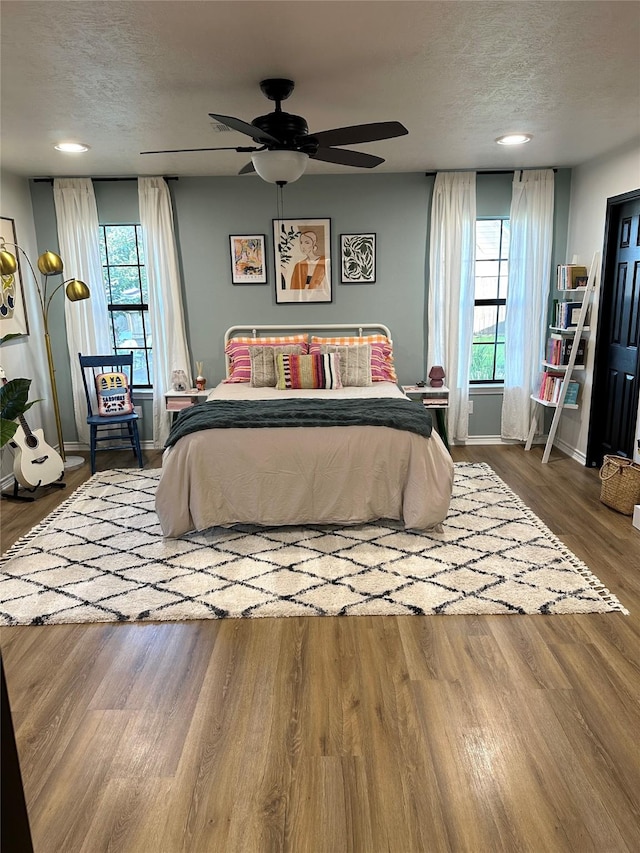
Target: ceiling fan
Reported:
[(286, 146)]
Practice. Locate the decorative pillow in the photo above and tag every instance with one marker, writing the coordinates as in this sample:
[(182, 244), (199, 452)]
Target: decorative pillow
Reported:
[(263, 365), (382, 368), (238, 351), (308, 371), (355, 363), (114, 398)]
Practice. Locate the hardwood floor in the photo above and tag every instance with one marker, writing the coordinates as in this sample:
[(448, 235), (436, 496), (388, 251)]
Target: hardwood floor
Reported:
[(363, 734)]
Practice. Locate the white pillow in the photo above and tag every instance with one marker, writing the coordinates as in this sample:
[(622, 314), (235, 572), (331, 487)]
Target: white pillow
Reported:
[(355, 363)]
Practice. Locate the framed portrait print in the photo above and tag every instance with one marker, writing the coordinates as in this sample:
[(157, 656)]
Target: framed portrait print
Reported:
[(302, 249), (13, 310), (248, 258), (357, 258)]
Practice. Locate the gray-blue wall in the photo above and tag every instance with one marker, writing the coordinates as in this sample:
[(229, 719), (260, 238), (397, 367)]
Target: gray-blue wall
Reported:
[(207, 210)]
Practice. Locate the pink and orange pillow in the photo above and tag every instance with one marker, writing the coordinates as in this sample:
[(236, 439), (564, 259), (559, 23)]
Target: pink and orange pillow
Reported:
[(240, 360)]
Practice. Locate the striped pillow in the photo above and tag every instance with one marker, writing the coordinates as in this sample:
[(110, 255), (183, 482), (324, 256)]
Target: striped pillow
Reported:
[(240, 361), (382, 368), (308, 371), (263, 365)]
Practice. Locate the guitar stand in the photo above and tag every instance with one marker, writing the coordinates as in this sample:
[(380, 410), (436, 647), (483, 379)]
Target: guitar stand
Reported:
[(16, 496)]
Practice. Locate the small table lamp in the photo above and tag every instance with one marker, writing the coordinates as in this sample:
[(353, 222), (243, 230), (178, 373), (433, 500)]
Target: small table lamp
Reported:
[(436, 376)]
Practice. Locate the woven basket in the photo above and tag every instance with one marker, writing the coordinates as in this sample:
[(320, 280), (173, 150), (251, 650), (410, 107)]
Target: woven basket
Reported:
[(620, 484)]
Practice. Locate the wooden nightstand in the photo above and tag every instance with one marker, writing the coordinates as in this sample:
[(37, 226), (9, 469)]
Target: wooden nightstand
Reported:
[(432, 398), (176, 401)]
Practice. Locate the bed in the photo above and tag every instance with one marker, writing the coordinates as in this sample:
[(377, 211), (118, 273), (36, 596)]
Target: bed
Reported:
[(290, 475)]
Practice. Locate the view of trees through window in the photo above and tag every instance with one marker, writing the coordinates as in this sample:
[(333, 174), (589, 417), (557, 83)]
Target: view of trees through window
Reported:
[(125, 281), (492, 267), (127, 291)]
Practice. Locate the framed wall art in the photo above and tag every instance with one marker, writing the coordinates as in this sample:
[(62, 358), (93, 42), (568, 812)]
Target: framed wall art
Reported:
[(13, 309), (302, 249), (248, 258), (358, 258)]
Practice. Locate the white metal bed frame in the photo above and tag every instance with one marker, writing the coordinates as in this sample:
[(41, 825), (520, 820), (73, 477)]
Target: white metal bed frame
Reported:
[(341, 330)]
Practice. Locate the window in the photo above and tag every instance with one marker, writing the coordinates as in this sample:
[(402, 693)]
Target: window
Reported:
[(125, 281), (492, 267)]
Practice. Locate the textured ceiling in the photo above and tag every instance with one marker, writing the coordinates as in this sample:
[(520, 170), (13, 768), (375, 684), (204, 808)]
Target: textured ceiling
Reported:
[(130, 76)]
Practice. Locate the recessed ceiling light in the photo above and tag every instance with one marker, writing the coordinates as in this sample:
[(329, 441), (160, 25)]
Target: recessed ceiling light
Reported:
[(71, 147), (514, 139)]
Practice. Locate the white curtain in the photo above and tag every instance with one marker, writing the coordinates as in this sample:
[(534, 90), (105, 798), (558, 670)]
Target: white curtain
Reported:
[(528, 287), (452, 290), (169, 341), (87, 321)]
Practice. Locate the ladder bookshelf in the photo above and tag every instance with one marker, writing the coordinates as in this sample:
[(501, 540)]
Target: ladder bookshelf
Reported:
[(560, 375)]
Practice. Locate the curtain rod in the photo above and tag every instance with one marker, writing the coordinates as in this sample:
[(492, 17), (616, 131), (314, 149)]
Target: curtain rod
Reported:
[(427, 175), (484, 171), (50, 180)]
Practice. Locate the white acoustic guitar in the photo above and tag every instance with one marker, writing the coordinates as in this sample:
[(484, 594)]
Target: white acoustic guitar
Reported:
[(35, 463)]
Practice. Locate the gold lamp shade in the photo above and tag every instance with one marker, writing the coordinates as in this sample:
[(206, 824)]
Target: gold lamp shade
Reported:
[(49, 263), (77, 290), (8, 263)]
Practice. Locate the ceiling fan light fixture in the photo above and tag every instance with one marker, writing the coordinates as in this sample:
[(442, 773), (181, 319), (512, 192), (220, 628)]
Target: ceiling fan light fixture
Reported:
[(71, 147), (514, 139), (280, 167)]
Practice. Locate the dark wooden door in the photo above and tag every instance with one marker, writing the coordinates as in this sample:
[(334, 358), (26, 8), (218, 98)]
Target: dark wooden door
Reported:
[(614, 404)]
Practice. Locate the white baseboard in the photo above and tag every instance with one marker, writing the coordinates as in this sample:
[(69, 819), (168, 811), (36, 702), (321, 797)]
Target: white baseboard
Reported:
[(491, 439), (571, 451), (6, 481), (539, 440)]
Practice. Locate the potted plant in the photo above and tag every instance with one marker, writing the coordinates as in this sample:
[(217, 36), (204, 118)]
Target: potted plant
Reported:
[(14, 394)]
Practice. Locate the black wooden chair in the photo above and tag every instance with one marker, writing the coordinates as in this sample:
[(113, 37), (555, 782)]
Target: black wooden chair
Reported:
[(110, 404)]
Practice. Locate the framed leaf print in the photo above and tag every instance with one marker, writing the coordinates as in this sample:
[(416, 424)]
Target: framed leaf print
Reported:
[(302, 249), (248, 258), (358, 258), (13, 310)]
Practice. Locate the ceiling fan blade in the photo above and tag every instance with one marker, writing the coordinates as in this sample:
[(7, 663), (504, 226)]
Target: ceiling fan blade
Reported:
[(244, 127), (247, 169), (347, 158), (182, 150), (358, 133)]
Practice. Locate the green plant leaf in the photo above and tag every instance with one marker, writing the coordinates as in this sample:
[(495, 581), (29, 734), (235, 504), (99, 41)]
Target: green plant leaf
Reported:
[(7, 431), (13, 398), (32, 403)]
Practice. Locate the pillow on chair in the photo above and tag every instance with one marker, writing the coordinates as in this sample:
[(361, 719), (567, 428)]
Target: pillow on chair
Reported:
[(113, 394)]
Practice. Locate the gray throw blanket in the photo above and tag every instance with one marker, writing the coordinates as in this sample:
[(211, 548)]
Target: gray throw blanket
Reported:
[(243, 414)]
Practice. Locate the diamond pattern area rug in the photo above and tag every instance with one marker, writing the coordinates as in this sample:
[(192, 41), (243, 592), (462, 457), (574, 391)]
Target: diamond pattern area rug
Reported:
[(101, 557)]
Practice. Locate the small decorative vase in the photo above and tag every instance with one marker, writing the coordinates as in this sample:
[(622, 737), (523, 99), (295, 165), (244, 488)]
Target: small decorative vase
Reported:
[(201, 383)]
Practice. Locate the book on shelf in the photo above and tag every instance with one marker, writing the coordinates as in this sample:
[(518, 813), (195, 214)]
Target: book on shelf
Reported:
[(426, 390), (571, 397), (548, 382), (551, 387), (559, 350), (567, 314), (571, 276)]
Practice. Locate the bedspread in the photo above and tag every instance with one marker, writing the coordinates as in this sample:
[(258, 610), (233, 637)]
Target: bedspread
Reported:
[(293, 475), (397, 413)]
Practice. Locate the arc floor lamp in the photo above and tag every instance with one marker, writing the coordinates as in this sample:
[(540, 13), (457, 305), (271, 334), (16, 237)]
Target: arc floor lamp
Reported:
[(49, 265)]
